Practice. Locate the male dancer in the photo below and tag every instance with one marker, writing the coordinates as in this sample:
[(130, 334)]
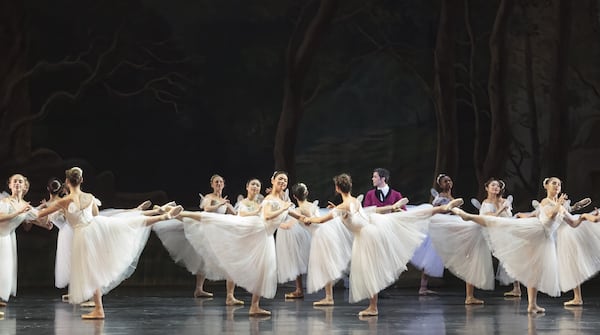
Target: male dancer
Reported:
[(381, 195)]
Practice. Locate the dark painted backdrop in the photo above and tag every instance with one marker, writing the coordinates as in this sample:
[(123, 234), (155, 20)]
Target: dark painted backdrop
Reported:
[(151, 98)]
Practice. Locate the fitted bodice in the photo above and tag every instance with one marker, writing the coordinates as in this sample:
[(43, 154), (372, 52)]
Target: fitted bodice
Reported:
[(355, 217), (440, 200), (272, 224), (77, 217), (488, 207), (551, 224), (209, 201), (8, 227)]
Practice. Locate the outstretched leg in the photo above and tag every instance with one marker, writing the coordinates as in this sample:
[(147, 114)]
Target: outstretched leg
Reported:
[(98, 312), (173, 212), (199, 292), (470, 217)]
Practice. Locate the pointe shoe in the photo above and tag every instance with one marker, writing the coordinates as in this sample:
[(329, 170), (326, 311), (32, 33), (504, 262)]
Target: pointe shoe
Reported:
[(400, 203), (512, 293), (323, 302), (65, 298), (473, 301), (259, 312), (294, 295), (368, 313), (144, 205), (2, 304), (427, 292), (453, 204), (93, 316), (463, 215), (174, 212), (202, 294), (581, 204), (164, 208), (88, 304), (233, 302), (573, 303), (535, 310), (1, 315)]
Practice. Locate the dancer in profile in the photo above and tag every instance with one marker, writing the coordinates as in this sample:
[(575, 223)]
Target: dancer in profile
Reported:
[(244, 245), (330, 248), (556, 259), (496, 205), (105, 250), (462, 246), (14, 210), (383, 243)]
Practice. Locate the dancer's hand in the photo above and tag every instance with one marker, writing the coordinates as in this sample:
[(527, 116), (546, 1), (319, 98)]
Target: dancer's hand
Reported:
[(330, 205)]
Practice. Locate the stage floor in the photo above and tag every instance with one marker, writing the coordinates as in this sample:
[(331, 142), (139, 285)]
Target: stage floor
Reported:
[(174, 311)]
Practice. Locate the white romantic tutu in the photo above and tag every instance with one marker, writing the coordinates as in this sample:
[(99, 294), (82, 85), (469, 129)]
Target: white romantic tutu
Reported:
[(105, 250), (293, 248), (330, 254), (172, 236), (463, 249), (62, 264), (425, 257), (527, 252), (8, 251), (242, 246), (383, 245)]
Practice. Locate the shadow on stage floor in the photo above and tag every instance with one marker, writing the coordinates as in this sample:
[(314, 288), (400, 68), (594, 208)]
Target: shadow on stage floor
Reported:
[(174, 311)]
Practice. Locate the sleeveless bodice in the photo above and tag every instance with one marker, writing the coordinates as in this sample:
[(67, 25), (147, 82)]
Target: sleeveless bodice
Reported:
[(78, 218), (354, 218), (488, 207), (220, 209), (551, 224), (272, 224), (8, 227), (440, 200)]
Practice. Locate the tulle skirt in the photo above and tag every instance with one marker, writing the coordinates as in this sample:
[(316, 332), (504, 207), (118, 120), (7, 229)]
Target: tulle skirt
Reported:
[(330, 254), (104, 253), (293, 248), (172, 236), (463, 248), (62, 264), (527, 251), (382, 249), (8, 265), (578, 253), (241, 246)]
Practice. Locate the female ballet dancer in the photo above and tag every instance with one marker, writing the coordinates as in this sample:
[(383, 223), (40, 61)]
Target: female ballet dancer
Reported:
[(251, 204), (556, 258), (330, 248), (104, 249), (462, 246), (62, 268), (383, 243), (244, 245), (14, 210), (426, 258), (495, 205), (215, 202), (292, 245)]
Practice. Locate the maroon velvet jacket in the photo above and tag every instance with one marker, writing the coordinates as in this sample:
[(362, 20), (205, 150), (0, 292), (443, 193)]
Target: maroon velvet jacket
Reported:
[(371, 199)]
